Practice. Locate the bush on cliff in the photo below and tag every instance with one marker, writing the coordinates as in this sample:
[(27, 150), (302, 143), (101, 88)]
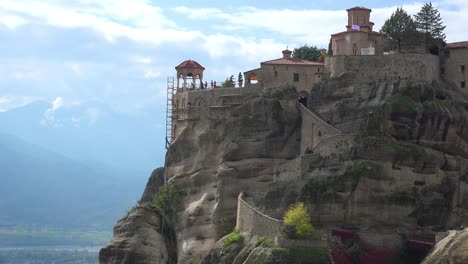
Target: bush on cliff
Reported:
[(234, 237), (166, 201), (298, 220)]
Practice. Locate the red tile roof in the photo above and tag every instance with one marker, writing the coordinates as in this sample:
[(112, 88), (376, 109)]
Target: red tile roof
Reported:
[(455, 45), (190, 64), (292, 61), (359, 8)]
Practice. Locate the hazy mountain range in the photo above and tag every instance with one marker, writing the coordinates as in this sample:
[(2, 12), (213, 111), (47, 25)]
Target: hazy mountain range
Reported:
[(76, 166)]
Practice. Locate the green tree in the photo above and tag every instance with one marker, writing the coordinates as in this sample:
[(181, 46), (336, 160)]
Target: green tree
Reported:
[(228, 82), (307, 53), (429, 22), (240, 79), (399, 29), (298, 218), (330, 46), (166, 201)]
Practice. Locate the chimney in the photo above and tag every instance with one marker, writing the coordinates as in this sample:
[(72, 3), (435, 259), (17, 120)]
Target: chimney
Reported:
[(287, 54)]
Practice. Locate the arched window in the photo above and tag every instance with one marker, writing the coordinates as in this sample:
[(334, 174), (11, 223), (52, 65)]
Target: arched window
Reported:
[(275, 74)]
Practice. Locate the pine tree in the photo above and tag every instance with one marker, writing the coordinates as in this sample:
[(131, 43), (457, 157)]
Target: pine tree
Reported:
[(399, 29), (429, 22)]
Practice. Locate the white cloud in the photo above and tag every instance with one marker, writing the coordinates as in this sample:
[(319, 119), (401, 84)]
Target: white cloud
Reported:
[(48, 117), (8, 102), (315, 26), (57, 103), (137, 20), (12, 22)]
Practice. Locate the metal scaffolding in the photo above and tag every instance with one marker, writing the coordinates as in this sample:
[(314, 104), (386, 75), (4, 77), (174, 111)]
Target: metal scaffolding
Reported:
[(170, 94)]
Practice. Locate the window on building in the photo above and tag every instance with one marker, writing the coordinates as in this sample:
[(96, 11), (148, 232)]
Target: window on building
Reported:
[(442, 70), (462, 84), (462, 68), (275, 74), (447, 53), (296, 77), (318, 69)]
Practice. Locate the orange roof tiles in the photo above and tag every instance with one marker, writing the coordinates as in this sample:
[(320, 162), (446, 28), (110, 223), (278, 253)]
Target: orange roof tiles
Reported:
[(190, 64)]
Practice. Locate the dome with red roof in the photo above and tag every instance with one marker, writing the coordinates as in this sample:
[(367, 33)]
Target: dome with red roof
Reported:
[(190, 64)]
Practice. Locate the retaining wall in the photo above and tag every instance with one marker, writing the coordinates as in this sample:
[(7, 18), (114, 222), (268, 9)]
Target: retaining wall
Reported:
[(314, 129), (251, 222), (207, 104), (386, 67), (338, 144)]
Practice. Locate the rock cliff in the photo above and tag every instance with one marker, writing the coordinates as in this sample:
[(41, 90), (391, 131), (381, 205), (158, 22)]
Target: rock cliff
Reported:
[(406, 170)]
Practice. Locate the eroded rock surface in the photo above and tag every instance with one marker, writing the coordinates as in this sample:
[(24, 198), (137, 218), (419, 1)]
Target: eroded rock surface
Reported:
[(407, 170), (451, 249), (137, 239)]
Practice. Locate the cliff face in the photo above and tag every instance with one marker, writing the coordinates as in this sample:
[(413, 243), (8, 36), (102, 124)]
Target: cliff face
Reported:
[(213, 161), (407, 169)]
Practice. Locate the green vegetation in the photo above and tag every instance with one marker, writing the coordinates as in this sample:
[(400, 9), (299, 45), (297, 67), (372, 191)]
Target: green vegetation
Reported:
[(353, 249), (429, 22), (366, 168), (16, 237), (166, 201), (437, 105), (234, 237), (399, 30), (228, 82), (307, 52), (280, 251), (48, 256), (264, 242), (404, 101), (301, 255), (405, 149), (240, 79), (298, 218)]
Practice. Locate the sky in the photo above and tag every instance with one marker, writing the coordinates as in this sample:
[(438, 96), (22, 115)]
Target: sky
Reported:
[(120, 52)]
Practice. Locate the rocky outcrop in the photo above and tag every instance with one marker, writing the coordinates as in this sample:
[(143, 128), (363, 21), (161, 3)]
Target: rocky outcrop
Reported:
[(137, 239), (404, 168), (141, 236), (212, 161), (451, 249)]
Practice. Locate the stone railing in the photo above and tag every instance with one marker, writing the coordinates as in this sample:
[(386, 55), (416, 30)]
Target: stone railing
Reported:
[(251, 221)]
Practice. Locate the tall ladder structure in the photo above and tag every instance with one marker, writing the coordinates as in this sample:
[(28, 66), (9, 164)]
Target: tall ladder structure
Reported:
[(170, 95)]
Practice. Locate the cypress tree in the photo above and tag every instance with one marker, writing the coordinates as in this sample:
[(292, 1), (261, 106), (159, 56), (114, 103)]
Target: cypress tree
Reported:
[(429, 22)]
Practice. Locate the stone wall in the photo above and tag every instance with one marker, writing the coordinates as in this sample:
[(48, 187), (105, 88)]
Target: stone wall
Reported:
[(454, 63), (251, 222), (207, 104), (280, 75), (338, 144), (314, 129), (385, 67)]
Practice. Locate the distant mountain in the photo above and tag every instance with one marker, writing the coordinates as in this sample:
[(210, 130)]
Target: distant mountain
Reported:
[(43, 188), (92, 132)]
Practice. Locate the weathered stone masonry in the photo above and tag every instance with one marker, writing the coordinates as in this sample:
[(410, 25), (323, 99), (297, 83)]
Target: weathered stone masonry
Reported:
[(251, 222)]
